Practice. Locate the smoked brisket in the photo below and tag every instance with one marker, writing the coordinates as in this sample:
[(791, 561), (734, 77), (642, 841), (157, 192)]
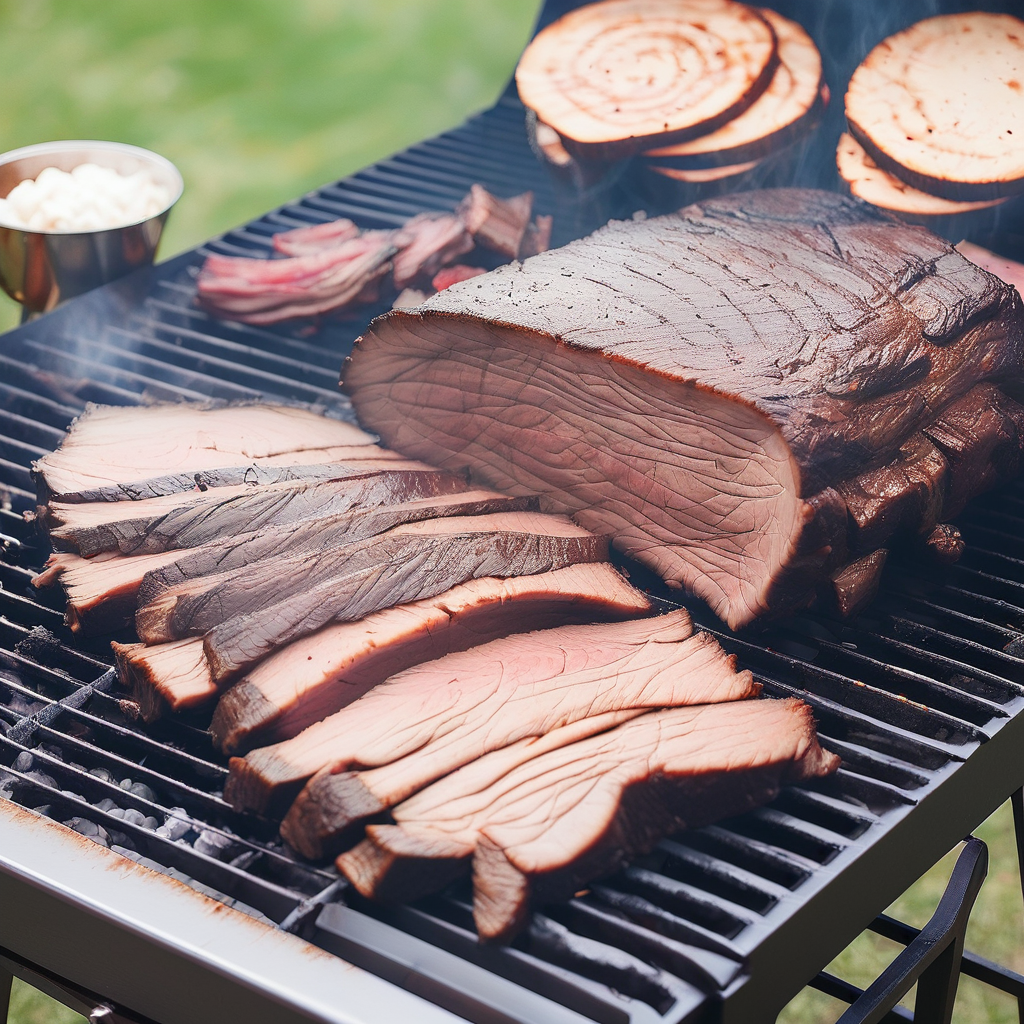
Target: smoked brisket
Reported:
[(747, 395), (320, 674)]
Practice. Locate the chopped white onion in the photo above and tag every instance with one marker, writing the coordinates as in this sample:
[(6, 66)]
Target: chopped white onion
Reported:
[(89, 198)]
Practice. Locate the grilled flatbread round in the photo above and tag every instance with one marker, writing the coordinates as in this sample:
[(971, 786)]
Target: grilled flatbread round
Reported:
[(788, 108), (869, 182), (702, 175), (621, 75), (941, 105)]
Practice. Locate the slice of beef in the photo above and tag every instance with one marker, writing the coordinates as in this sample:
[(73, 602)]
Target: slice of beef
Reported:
[(579, 813), (489, 713), (496, 224), (315, 238), (317, 676), (197, 605), (101, 591), (426, 703), (165, 677), (690, 383), (284, 599), (435, 831), (536, 238), (314, 464), (318, 534), (110, 444), (150, 525), (427, 242)]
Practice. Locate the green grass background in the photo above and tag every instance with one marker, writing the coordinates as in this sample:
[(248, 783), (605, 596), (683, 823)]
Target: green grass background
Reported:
[(262, 100)]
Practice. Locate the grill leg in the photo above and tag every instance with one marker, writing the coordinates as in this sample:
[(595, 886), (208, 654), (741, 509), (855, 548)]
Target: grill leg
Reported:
[(6, 980), (1017, 803)]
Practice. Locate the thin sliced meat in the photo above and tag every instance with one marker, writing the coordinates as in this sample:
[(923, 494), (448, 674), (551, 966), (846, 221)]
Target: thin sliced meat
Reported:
[(496, 224), (312, 678), (940, 105), (110, 444), (435, 831), (268, 291), (867, 181), (411, 562), (787, 109), (148, 526), (427, 702), (317, 463), (479, 709), (319, 534), (101, 591), (622, 75), (694, 384), (316, 237), (428, 241), (580, 812), (165, 677)]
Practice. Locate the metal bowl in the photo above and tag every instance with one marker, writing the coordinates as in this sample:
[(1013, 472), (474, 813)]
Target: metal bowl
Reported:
[(40, 269)]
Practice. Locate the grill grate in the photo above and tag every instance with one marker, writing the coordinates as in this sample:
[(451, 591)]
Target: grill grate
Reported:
[(909, 694)]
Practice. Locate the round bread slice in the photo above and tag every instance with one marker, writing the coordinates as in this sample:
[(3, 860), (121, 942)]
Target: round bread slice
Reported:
[(790, 106), (619, 76), (702, 175), (941, 105), (867, 181)]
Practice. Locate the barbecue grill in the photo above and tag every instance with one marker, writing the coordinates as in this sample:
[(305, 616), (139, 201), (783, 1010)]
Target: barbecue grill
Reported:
[(216, 920)]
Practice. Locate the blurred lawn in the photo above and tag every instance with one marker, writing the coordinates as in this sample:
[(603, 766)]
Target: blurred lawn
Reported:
[(259, 102), (256, 102)]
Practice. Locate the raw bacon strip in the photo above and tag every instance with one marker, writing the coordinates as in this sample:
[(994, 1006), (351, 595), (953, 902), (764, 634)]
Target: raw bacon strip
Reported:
[(427, 243), (266, 291), (622, 75), (315, 677), (305, 241), (940, 105), (493, 696), (496, 224), (787, 109), (578, 813), (422, 705)]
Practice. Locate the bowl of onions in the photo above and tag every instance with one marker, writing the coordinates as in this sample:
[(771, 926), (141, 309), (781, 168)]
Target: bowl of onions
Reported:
[(75, 215)]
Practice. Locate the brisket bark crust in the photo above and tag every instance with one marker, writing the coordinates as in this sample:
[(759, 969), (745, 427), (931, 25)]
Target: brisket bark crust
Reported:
[(719, 388)]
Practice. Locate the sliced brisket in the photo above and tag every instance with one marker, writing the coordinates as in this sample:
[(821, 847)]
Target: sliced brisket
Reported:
[(319, 534), (112, 444), (487, 698), (580, 812), (177, 521), (165, 677), (317, 676), (409, 563), (695, 384)]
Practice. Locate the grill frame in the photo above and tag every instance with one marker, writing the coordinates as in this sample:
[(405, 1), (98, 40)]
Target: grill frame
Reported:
[(150, 338)]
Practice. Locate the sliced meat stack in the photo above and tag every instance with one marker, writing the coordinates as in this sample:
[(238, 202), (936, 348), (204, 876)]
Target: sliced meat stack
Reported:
[(426, 721), (370, 617), (327, 267), (751, 396), (380, 561), (538, 823)]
